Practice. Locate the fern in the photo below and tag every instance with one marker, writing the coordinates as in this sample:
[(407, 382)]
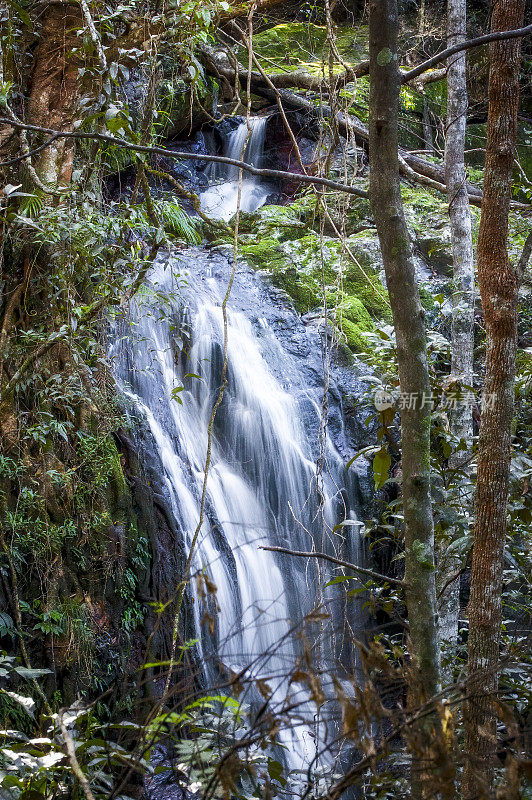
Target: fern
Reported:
[(31, 205), (177, 222)]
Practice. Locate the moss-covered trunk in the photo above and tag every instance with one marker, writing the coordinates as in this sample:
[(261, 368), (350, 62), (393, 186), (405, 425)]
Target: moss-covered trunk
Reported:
[(409, 323)]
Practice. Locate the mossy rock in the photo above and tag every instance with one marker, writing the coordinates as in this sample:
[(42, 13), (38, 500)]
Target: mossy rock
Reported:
[(354, 320), (352, 289), (303, 46), (265, 254)]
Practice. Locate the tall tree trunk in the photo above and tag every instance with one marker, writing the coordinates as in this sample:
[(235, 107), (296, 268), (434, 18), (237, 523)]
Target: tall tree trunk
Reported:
[(498, 291), (463, 303), (409, 323)]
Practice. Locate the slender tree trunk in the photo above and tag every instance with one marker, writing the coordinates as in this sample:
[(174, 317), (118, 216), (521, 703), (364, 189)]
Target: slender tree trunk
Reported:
[(498, 291), (408, 315), (463, 303), (409, 323), (427, 127)]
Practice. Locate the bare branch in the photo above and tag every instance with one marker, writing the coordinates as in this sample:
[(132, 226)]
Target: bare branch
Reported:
[(74, 763), (497, 36), (177, 154), (347, 564)]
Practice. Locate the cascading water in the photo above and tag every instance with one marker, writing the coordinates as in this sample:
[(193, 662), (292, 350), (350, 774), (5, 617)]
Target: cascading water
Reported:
[(245, 143), (264, 486)]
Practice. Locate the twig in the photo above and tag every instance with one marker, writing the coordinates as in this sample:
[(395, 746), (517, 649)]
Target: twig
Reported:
[(29, 153), (74, 763), (525, 257), (448, 582), (347, 564)]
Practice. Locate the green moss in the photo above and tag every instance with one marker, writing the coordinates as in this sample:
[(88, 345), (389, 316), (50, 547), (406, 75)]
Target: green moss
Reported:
[(356, 284), (302, 45), (304, 267), (354, 336), (354, 321), (265, 254)]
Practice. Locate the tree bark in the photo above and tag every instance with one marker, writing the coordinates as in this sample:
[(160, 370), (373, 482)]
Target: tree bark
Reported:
[(409, 324), (55, 88), (498, 291), (460, 418)]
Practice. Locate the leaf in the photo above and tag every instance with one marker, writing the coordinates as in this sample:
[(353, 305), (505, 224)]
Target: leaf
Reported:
[(275, 771), (30, 674), (366, 451), (338, 579), (353, 523), (381, 464)]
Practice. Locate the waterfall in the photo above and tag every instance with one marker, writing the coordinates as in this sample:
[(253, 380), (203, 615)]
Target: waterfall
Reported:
[(264, 484), (219, 201)]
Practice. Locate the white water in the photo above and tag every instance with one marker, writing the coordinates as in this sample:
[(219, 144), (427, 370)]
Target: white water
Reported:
[(220, 200)]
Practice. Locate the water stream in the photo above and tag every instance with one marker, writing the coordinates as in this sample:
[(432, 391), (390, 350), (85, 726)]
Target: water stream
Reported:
[(264, 486)]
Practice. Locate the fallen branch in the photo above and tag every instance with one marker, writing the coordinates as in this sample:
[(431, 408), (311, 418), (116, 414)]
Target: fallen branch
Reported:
[(298, 79), (218, 66), (421, 171), (339, 562)]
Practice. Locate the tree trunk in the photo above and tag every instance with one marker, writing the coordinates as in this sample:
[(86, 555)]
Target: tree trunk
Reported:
[(463, 305), (55, 89), (427, 127), (409, 323), (498, 291)]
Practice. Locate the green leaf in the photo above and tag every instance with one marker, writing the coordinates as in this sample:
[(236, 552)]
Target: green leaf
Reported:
[(30, 674), (381, 464), (275, 771), (338, 579), (26, 702)]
